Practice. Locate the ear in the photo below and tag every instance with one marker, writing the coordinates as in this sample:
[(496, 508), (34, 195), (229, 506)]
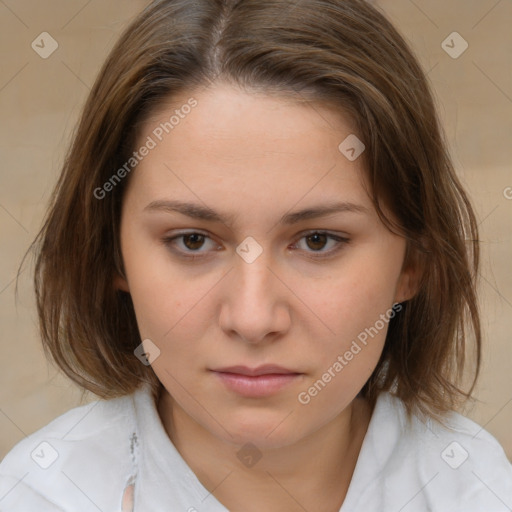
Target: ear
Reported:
[(120, 283), (411, 276)]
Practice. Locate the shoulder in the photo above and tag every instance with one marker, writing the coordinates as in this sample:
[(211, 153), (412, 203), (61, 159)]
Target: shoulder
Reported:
[(77, 454), (456, 466)]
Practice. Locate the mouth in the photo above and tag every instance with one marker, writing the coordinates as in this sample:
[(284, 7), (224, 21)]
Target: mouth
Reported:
[(256, 382)]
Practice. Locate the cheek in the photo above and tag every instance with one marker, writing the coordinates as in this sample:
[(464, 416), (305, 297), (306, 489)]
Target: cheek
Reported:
[(167, 311), (161, 292), (355, 299), (356, 307), (358, 311)]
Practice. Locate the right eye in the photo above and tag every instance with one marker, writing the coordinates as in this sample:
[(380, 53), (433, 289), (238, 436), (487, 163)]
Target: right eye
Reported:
[(187, 245)]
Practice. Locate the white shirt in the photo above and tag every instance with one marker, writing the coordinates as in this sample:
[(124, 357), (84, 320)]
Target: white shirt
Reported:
[(86, 459)]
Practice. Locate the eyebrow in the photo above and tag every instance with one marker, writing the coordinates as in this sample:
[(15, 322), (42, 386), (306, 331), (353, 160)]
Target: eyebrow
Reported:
[(200, 212)]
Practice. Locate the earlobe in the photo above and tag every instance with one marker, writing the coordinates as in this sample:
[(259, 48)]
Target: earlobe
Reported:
[(405, 289), (120, 283), (411, 277)]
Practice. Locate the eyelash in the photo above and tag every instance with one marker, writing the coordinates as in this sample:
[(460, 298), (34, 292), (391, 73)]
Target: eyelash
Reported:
[(169, 242)]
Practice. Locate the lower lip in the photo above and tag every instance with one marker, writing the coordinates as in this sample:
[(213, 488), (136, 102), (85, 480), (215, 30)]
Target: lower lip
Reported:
[(257, 386)]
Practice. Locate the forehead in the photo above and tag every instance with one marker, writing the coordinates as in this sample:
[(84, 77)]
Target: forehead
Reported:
[(222, 139), (258, 121)]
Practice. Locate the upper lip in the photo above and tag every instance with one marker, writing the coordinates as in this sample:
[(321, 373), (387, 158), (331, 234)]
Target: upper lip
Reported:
[(265, 369)]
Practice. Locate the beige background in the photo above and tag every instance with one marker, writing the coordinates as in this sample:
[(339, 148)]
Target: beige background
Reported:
[(40, 100)]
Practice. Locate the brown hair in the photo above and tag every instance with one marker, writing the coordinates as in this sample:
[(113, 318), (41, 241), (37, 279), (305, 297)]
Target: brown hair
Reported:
[(339, 52)]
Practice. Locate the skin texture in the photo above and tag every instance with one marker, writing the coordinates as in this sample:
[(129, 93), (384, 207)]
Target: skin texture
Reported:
[(257, 157)]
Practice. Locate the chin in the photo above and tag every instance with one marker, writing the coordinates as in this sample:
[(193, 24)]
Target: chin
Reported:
[(265, 431)]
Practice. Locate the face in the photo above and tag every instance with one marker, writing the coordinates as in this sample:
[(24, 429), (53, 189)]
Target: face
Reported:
[(257, 264)]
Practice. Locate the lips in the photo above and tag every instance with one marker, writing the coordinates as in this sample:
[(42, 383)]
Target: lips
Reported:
[(258, 382), (254, 372)]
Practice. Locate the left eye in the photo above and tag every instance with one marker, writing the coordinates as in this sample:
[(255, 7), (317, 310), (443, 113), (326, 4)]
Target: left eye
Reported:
[(192, 243), (320, 238)]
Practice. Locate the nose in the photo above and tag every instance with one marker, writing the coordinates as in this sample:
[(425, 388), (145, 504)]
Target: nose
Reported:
[(255, 302)]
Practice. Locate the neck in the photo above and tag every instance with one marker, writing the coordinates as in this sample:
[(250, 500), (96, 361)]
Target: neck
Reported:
[(313, 473)]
